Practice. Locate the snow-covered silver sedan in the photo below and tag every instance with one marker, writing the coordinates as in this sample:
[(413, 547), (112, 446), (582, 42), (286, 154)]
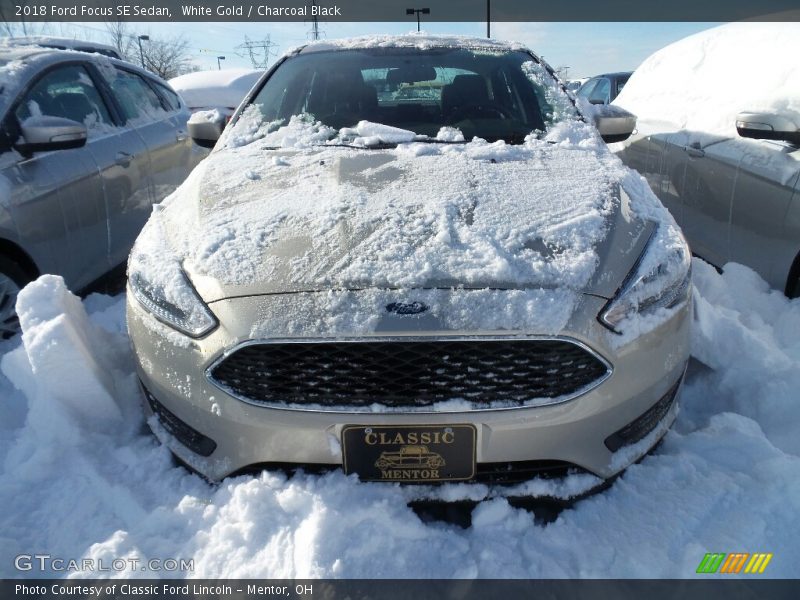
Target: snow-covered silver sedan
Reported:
[(87, 145), (416, 249)]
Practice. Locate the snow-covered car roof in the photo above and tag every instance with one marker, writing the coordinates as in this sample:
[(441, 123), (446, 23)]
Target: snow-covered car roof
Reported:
[(701, 82), (62, 44), (412, 41), (207, 89)]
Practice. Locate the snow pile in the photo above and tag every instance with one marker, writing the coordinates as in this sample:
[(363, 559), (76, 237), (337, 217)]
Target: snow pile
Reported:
[(215, 89), (207, 116), (701, 82), (726, 478)]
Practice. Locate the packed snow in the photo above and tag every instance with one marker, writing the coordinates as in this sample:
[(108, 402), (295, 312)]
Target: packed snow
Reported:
[(702, 82), (81, 477), (205, 90)]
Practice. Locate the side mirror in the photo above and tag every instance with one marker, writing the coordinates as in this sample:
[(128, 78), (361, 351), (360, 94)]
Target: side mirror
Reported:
[(44, 134), (767, 126), (205, 127), (614, 123)]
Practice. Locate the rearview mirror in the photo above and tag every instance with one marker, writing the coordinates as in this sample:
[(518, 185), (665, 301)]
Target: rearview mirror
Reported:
[(614, 123), (205, 127), (767, 126), (44, 134)]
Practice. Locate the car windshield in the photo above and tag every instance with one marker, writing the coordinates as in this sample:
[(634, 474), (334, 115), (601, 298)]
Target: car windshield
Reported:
[(488, 94)]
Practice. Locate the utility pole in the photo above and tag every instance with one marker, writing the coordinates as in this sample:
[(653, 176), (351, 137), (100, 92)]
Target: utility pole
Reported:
[(418, 12), (141, 52), (219, 64), (488, 18)]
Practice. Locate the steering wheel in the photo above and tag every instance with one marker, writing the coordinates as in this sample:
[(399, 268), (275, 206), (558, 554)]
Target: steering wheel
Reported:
[(479, 110)]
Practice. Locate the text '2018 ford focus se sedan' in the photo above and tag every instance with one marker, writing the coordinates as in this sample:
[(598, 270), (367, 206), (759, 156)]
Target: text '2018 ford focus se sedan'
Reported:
[(413, 258)]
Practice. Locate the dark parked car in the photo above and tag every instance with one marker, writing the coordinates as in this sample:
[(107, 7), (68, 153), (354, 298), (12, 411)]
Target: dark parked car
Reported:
[(87, 145), (602, 89)]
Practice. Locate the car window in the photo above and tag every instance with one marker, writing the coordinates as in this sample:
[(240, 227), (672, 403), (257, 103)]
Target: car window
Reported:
[(621, 83), (587, 88), (601, 92), (66, 92), (137, 99), (170, 98), (493, 95)]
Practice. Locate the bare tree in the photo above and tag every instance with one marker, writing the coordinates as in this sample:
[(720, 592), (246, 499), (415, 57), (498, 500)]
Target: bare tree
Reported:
[(121, 39), (168, 58)]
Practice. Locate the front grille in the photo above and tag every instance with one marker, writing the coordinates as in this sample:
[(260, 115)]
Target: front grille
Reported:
[(186, 435), (402, 373), (521, 471)]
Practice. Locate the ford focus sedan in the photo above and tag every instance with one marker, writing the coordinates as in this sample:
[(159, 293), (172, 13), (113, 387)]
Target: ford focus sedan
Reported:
[(414, 259)]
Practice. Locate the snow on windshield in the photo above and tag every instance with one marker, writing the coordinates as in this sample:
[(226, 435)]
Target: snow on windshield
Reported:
[(700, 83), (72, 447)]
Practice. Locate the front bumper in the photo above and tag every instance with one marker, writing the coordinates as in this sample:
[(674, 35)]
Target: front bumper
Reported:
[(646, 369)]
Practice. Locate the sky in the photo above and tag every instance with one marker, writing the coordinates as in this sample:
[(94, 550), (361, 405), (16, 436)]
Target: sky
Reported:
[(586, 48)]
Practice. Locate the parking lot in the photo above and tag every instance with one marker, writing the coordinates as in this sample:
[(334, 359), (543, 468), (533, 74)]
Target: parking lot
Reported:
[(290, 208)]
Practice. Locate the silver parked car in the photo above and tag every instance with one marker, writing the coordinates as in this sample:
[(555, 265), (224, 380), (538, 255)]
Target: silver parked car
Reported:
[(724, 157), (88, 144), (462, 285)]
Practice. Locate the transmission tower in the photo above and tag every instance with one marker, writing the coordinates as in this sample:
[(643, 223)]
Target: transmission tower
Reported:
[(258, 51), (315, 31)]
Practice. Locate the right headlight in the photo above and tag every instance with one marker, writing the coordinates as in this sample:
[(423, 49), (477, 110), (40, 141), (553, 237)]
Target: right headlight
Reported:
[(159, 284), (661, 278)]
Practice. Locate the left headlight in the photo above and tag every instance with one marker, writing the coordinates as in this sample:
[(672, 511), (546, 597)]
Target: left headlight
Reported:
[(159, 284), (661, 279)]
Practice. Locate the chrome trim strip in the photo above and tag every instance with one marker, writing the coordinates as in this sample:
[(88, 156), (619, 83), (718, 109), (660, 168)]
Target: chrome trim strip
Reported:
[(412, 338)]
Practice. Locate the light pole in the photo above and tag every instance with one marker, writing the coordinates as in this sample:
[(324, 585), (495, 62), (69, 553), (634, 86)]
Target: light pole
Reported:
[(418, 12), (141, 52), (219, 65), (488, 18)]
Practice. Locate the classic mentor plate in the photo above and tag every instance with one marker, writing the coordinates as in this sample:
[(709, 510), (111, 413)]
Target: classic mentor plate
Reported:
[(409, 453)]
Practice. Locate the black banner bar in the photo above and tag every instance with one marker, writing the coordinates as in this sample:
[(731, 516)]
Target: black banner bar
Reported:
[(396, 10)]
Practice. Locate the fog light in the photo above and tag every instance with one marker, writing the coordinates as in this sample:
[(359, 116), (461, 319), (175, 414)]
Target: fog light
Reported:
[(639, 428)]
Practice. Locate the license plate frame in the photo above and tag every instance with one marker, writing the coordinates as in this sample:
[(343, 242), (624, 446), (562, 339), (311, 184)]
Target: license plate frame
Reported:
[(410, 453)]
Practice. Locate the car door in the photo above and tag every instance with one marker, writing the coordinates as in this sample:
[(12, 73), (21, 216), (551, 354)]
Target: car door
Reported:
[(760, 235), (710, 169), (57, 197), (168, 149)]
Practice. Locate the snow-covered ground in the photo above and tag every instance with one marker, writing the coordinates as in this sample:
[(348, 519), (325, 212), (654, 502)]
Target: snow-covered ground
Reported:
[(81, 477)]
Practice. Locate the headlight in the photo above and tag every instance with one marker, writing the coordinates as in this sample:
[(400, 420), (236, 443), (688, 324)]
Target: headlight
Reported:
[(661, 278), (159, 284)]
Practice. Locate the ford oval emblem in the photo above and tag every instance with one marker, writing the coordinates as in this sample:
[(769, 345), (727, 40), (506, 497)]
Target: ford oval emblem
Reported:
[(406, 308)]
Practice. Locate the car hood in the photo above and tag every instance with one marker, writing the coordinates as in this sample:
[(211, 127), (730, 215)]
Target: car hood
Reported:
[(258, 220)]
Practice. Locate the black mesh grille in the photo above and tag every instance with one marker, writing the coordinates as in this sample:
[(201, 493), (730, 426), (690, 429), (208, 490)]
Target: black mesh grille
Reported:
[(408, 373)]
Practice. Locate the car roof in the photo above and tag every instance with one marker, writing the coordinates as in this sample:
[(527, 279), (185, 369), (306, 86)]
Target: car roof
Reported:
[(420, 41), (616, 74), (63, 44)]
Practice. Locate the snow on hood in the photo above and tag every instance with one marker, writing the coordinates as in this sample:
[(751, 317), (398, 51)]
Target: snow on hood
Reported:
[(276, 211), (701, 82)]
